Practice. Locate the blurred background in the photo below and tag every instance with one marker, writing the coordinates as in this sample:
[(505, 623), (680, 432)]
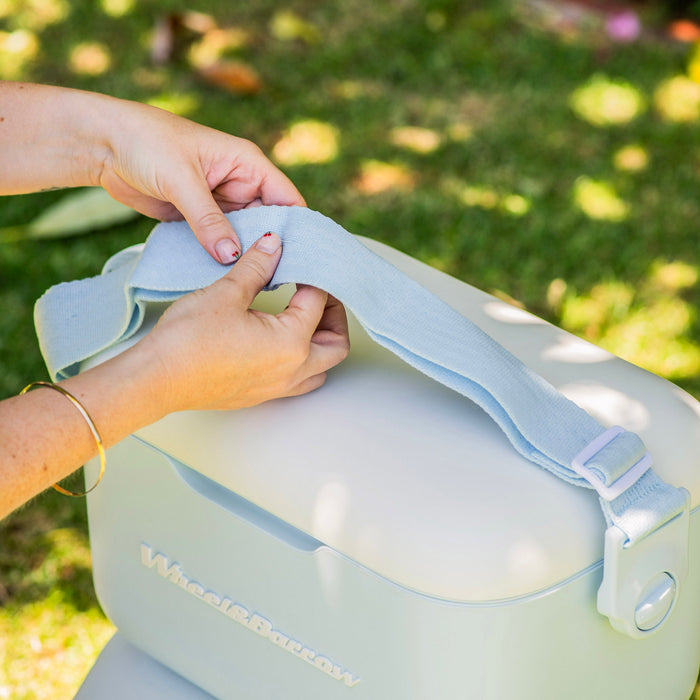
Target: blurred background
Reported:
[(547, 152)]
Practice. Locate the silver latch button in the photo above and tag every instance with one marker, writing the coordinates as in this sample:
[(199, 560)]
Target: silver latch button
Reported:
[(655, 602)]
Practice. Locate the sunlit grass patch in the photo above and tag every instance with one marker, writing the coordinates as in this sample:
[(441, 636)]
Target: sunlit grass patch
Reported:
[(48, 649), (415, 138), (604, 102), (673, 276), (694, 63), (90, 58), (306, 142), (599, 200), (484, 197), (591, 314), (631, 158), (51, 628), (678, 99), (479, 196), (654, 337), (354, 89), (286, 25), (460, 131), (648, 325), (117, 8), (217, 43), (17, 50), (35, 14)]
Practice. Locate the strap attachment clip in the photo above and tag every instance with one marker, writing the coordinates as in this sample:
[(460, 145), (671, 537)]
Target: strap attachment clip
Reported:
[(641, 581)]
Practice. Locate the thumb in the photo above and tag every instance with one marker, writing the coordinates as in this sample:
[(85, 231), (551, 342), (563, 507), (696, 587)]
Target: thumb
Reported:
[(255, 267), (213, 230)]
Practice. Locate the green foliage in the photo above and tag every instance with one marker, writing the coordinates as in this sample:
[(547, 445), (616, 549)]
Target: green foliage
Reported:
[(546, 167)]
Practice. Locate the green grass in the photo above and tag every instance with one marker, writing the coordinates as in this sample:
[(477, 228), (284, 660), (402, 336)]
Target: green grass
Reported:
[(506, 186)]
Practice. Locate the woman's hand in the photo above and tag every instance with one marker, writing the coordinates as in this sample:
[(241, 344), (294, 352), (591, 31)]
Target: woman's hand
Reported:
[(209, 350), (170, 168), (162, 165), (216, 352)]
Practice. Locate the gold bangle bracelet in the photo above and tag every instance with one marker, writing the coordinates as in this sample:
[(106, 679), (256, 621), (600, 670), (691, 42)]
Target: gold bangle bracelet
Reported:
[(91, 425)]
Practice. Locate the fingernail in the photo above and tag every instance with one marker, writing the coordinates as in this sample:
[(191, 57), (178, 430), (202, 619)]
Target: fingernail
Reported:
[(269, 243), (227, 251)]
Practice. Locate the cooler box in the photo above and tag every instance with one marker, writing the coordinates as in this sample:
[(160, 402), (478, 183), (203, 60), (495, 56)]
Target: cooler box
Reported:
[(380, 538)]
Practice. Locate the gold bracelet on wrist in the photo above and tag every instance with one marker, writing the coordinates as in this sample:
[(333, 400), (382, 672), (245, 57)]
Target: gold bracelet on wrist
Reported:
[(91, 425)]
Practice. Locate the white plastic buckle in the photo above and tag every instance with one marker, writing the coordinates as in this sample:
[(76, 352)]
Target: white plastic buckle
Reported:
[(641, 582), (631, 476)]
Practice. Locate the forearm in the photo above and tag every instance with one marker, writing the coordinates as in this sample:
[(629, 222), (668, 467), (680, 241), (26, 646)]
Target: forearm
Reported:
[(51, 137), (43, 437)]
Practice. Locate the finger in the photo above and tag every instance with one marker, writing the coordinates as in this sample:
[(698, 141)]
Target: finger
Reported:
[(255, 267), (305, 309), (333, 323), (309, 384), (277, 188), (323, 316), (320, 318), (213, 230), (323, 356)]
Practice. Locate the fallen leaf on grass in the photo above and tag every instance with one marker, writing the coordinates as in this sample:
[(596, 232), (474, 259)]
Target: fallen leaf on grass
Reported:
[(235, 76), (78, 212), (377, 177)]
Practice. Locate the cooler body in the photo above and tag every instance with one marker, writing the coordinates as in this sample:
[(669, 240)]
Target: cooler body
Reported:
[(381, 539), (246, 607), (123, 671)]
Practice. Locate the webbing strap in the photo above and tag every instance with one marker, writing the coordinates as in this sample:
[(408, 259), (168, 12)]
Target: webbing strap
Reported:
[(78, 319)]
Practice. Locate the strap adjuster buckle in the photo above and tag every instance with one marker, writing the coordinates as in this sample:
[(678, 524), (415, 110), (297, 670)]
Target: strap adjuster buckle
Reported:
[(609, 492)]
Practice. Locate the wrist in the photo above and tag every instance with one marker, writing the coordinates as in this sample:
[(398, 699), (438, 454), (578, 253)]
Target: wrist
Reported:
[(123, 394), (52, 137), (89, 121)]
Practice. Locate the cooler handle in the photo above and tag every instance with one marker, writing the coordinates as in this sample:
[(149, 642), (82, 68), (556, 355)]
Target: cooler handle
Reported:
[(399, 314)]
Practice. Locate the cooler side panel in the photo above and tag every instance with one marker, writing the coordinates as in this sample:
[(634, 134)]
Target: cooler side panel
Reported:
[(247, 608)]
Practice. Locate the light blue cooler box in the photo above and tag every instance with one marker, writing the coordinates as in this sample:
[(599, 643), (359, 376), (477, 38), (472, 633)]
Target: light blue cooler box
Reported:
[(381, 539)]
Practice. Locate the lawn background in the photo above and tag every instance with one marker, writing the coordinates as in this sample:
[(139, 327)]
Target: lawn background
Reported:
[(516, 146)]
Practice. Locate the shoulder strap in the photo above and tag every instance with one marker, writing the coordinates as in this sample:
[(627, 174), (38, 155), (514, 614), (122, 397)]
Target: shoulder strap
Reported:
[(399, 314)]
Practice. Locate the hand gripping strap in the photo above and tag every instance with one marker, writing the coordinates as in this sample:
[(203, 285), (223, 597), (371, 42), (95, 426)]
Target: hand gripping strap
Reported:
[(79, 319)]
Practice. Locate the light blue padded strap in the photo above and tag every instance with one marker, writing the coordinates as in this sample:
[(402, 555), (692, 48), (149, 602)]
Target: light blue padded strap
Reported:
[(79, 319)]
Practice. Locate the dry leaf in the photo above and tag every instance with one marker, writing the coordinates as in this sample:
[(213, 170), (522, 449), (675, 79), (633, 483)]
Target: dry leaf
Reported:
[(377, 177), (79, 212), (235, 76)]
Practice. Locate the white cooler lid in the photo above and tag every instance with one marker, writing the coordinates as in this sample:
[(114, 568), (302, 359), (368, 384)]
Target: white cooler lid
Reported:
[(417, 483)]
